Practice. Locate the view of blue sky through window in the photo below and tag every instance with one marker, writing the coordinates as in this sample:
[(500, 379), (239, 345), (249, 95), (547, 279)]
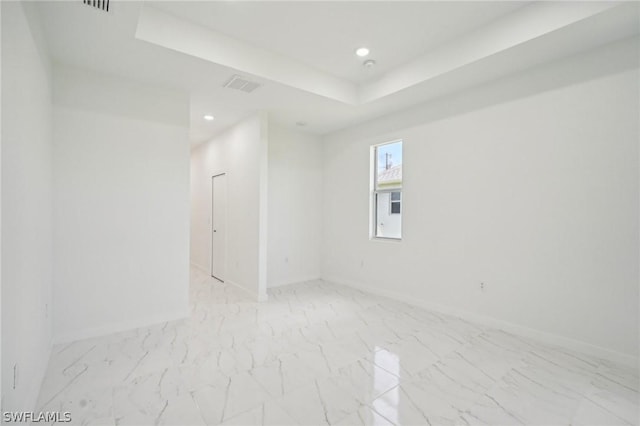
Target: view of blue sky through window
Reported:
[(389, 155)]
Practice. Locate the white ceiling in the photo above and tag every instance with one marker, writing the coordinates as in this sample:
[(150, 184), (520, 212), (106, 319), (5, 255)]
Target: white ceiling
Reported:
[(302, 52), (324, 35)]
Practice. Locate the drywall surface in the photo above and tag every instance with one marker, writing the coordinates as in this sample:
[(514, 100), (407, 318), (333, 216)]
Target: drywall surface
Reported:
[(1, 365), (295, 206), (26, 207), (536, 197), (240, 153), (121, 205)]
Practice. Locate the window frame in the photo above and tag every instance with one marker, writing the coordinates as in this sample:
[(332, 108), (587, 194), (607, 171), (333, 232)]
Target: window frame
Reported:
[(392, 202), (373, 194)]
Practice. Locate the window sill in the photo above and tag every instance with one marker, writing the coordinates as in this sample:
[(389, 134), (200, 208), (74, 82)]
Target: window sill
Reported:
[(386, 239)]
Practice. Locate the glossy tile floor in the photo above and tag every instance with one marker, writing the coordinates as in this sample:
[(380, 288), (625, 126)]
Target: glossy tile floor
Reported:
[(318, 353)]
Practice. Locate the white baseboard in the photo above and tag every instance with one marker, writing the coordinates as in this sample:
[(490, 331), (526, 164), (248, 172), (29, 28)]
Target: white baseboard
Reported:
[(541, 336), (117, 327), (296, 281), (255, 296), (200, 268)]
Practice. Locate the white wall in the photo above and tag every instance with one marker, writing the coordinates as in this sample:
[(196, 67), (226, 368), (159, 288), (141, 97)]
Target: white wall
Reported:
[(241, 153), (535, 194), (1, 365), (26, 206), (121, 206), (295, 206)]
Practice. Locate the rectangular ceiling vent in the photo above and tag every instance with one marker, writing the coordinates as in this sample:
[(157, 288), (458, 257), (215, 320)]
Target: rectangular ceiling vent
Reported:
[(238, 83), (98, 4)]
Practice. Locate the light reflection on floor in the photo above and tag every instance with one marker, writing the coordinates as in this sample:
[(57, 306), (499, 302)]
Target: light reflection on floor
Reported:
[(388, 406)]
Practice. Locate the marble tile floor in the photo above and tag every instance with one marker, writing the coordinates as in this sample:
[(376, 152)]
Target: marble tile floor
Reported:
[(318, 353)]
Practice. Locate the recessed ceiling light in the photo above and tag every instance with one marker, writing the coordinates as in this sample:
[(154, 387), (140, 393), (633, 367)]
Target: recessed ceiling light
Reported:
[(208, 117), (369, 63), (362, 52)]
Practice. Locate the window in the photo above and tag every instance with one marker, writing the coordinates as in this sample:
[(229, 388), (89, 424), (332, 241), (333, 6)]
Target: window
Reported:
[(394, 207), (386, 194)]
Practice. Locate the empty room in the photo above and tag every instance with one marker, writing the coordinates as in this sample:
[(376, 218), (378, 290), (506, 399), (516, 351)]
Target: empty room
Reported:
[(320, 212)]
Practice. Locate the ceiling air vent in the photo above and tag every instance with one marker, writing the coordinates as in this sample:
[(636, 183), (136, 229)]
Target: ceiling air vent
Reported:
[(238, 83), (98, 4)]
